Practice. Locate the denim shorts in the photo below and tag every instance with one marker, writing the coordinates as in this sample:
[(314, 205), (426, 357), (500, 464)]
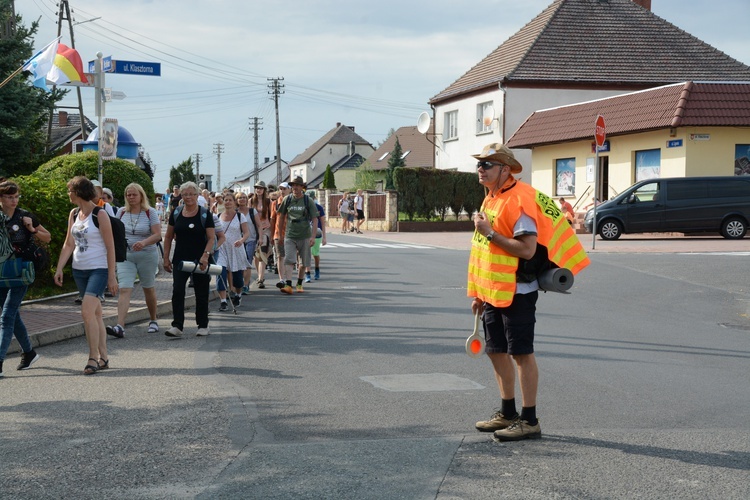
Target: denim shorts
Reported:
[(144, 264), (91, 281)]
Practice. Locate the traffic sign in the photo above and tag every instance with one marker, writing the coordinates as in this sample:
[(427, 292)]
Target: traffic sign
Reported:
[(106, 65), (600, 133), (137, 68)]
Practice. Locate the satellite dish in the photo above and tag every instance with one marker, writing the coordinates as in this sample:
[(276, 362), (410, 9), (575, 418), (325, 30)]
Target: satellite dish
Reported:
[(488, 116), (423, 122), (313, 165)]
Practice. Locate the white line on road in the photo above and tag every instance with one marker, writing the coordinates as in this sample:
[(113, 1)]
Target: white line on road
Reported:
[(375, 245)]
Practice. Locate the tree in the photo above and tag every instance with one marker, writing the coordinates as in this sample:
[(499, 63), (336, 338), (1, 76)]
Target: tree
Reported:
[(364, 176), (395, 161), (388, 136), (329, 181), (182, 173), (24, 109)]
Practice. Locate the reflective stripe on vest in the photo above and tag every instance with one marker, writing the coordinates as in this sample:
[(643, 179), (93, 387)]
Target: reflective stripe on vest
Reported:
[(492, 271)]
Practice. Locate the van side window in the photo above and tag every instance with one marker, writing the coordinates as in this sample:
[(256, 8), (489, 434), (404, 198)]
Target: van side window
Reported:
[(647, 192), (729, 189), (686, 190)]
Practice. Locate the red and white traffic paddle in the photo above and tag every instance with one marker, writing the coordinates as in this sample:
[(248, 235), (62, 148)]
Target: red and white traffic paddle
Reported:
[(475, 342)]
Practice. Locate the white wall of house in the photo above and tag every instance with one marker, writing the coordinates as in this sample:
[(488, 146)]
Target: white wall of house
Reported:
[(512, 106), (328, 155)]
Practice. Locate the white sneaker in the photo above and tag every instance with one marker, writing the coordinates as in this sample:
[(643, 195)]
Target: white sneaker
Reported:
[(173, 332), (202, 332)]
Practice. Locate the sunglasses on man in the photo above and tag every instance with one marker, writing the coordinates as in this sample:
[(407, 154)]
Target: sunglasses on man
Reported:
[(487, 165)]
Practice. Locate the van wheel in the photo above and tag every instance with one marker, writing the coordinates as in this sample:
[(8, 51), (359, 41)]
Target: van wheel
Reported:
[(734, 228), (610, 229)]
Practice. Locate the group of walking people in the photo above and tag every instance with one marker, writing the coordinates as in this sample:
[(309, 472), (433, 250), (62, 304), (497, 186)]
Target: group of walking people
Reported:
[(246, 233)]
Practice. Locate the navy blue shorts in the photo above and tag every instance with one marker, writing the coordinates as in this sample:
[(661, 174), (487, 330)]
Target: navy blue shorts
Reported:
[(511, 329)]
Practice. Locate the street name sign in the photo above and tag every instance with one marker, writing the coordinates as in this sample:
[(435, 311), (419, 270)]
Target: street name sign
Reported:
[(137, 68)]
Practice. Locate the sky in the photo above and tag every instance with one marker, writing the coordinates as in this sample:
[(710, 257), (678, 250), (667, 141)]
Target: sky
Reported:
[(370, 65)]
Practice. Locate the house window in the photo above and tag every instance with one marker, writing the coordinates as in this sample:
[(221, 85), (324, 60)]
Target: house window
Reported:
[(742, 159), (483, 128), (647, 164), (450, 131), (565, 175), (405, 153), (383, 157)]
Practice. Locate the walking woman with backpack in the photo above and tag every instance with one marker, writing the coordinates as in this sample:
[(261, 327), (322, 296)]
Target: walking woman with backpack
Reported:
[(231, 255), (18, 231), (261, 202), (191, 228), (253, 227), (143, 232), (93, 249)]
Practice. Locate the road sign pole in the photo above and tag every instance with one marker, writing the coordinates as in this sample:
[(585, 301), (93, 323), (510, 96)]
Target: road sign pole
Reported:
[(596, 188), (600, 134)]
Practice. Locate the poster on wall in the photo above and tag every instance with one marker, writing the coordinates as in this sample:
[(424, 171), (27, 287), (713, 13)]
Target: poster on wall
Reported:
[(108, 139), (566, 177), (742, 159), (647, 164)]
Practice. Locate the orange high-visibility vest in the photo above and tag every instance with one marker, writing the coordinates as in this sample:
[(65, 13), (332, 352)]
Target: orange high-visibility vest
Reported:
[(492, 270)]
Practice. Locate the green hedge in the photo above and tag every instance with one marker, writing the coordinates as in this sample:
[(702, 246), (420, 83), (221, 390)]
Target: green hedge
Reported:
[(429, 193), (45, 193)]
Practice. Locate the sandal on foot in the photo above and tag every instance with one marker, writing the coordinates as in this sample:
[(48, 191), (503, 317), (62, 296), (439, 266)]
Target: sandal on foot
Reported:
[(153, 327), (91, 369), (103, 364)]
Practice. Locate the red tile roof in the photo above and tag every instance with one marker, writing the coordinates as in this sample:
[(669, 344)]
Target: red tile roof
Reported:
[(421, 151), (598, 43), (340, 134), (686, 104)]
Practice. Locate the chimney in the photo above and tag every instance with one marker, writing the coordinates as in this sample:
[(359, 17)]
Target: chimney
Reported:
[(266, 160), (62, 119), (646, 4), (338, 124)]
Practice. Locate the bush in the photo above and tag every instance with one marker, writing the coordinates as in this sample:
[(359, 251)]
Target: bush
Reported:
[(45, 193)]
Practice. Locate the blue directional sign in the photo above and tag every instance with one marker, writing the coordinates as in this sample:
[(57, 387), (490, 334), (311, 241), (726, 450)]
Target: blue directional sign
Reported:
[(106, 65), (137, 68), (677, 143)]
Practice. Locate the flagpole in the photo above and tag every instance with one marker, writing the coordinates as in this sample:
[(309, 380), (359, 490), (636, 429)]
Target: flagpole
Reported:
[(11, 76)]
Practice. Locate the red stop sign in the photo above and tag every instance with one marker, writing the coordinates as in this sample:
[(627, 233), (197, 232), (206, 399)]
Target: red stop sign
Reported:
[(600, 134)]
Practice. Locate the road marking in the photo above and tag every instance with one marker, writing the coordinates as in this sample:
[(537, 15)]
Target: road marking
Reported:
[(422, 382), (732, 254), (375, 245)]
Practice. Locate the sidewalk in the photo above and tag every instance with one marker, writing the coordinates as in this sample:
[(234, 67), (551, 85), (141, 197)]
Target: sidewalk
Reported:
[(59, 318)]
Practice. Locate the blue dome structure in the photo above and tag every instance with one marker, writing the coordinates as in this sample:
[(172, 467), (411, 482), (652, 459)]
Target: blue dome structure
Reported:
[(127, 147)]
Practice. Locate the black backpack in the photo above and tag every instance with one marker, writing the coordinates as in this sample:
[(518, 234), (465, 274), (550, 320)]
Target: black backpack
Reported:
[(118, 234)]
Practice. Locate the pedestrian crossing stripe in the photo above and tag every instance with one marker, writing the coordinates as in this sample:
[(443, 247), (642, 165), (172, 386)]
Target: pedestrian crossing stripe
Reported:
[(376, 245)]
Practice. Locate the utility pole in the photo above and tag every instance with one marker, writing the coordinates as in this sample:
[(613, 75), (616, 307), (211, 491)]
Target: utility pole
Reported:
[(64, 15), (197, 157), (277, 88), (218, 149), (255, 126)]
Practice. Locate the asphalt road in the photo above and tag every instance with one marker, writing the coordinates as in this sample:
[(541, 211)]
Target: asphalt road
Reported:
[(360, 388)]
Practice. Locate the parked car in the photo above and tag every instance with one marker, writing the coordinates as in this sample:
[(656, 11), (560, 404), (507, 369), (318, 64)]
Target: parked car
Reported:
[(684, 205)]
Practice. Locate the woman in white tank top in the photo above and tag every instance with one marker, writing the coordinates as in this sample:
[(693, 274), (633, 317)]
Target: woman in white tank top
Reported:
[(93, 251)]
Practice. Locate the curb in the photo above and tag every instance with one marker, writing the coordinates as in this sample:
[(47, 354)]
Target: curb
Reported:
[(135, 315)]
